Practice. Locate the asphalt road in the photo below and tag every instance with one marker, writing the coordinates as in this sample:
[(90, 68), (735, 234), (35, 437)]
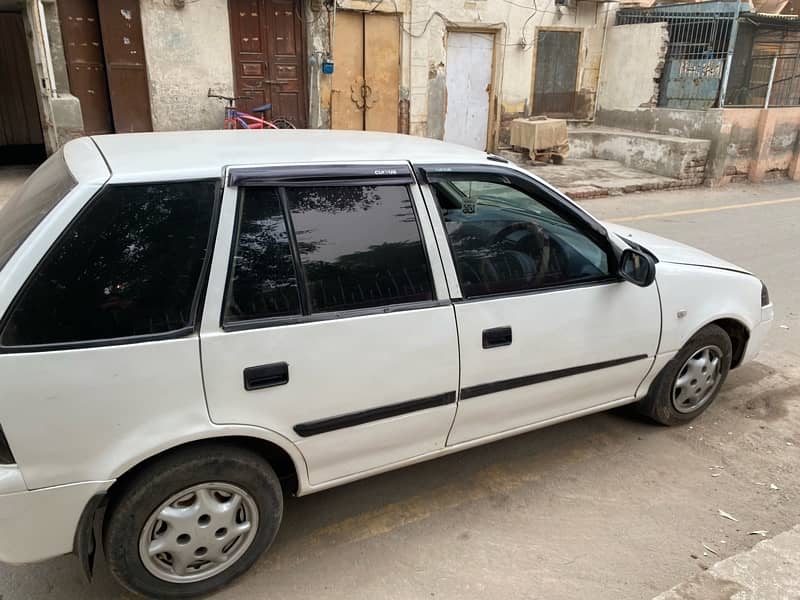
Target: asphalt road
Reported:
[(604, 507)]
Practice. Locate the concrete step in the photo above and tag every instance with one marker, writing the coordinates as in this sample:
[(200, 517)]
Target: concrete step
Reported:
[(581, 178), (669, 156)]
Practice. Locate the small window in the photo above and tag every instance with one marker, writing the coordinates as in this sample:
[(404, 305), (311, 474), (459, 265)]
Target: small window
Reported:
[(360, 246), (504, 240), (263, 282), (129, 265)]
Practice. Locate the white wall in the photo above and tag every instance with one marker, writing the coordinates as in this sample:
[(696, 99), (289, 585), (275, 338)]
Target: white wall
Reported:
[(188, 50), (424, 59), (634, 59)]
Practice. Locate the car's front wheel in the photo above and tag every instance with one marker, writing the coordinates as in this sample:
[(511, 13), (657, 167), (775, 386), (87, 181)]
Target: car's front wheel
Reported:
[(190, 523), (691, 381)]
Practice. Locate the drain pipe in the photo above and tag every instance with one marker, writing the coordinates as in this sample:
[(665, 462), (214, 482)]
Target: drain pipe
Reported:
[(600, 66), (729, 58)]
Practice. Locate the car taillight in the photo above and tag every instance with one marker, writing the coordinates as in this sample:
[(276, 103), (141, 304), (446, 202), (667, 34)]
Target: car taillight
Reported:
[(6, 458), (764, 294)]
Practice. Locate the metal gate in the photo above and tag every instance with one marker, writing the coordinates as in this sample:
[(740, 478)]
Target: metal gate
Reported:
[(104, 50), (556, 76), (699, 36)]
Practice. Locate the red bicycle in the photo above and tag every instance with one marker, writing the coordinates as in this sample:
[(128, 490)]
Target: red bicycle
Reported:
[(237, 119)]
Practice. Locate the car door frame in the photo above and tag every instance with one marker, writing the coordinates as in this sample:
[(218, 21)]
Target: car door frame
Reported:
[(584, 223), (212, 322)]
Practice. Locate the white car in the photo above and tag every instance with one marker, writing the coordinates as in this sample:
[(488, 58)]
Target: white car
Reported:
[(196, 324)]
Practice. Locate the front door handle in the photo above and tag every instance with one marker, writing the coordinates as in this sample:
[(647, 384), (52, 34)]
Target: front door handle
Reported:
[(265, 376), (498, 336)]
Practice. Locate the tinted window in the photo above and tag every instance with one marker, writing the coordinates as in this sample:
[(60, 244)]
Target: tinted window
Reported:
[(360, 246), (129, 265), (31, 203), (503, 240), (262, 282)]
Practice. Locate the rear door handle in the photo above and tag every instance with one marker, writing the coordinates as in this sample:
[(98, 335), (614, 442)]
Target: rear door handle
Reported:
[(498, 336), (265, 376)]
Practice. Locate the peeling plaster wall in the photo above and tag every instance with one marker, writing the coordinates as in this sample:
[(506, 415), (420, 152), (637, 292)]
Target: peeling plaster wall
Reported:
[(318, 44), (424, 54), (702, 124), (67, 118), (757, 142), (188, 51), (634, 59)]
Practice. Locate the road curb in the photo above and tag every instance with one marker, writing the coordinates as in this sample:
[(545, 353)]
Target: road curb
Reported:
[(770, 570)]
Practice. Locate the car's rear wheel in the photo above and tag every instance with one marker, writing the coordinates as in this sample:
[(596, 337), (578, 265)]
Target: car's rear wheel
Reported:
[(690, 382), (192, 522)]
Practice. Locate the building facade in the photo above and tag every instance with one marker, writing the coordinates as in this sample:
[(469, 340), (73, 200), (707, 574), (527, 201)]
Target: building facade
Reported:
[(457, 70)]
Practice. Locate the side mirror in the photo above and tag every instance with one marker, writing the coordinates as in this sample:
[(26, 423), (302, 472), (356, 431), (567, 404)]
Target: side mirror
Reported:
[(637, 267)]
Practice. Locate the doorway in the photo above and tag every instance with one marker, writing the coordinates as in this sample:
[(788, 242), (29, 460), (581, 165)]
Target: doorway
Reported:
[(21, 139), (468, 79), (268, 48), (365, 92), (556, 72), (104, 50)]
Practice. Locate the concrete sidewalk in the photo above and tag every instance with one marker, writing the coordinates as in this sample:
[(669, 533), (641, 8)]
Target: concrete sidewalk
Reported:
[(582, 178), (768, 571)]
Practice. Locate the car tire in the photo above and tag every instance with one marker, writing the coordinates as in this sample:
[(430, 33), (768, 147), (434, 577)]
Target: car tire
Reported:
[(689, 383), (192, 522)]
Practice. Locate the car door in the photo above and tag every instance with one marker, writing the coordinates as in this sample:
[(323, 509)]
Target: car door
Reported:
[(546, 327), (325, 321)]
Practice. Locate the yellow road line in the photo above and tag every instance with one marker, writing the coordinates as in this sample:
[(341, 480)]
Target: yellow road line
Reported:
[(697, 211)]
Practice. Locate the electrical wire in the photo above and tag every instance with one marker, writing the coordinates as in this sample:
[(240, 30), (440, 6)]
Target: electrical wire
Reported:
[(525, 45)]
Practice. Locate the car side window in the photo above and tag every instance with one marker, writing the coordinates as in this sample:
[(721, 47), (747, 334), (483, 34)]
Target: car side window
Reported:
[(263, 282), (129, 265), (356, 247), (360, 246), (504, 240)]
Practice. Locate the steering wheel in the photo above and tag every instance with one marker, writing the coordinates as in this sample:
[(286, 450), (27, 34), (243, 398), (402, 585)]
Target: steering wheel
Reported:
[(541, 240)]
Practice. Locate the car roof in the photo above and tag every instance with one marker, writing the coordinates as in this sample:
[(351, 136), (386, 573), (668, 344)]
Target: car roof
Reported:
[(178, 154)]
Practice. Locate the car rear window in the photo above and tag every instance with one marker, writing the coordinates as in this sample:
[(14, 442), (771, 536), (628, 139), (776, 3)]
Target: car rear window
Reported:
[(32, 202), (129, 265)]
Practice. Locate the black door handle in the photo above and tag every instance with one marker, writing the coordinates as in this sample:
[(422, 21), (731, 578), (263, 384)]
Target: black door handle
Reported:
[(498, 336), (264, 376)]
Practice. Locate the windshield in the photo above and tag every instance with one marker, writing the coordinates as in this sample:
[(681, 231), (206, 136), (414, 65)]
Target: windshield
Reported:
[(31, 203)]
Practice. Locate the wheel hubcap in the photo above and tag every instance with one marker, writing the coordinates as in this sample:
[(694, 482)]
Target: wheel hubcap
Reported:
[(198, 533), (697, 379)]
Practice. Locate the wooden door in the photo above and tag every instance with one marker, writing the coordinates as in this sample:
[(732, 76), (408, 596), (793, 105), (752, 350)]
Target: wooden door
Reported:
[(366, 78), (382, 72), (20, 127), (269, 57), (555, 84), (469, 83), (86, 65), (347, 109), (123, 46)]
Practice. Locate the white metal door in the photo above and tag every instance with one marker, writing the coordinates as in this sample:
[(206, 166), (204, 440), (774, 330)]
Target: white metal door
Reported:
[(545, 328), (572, 350), (354, 390), (468, 80)]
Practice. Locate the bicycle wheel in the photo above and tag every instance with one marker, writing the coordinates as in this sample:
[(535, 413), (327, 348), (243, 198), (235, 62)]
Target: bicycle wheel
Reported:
[(282, 123)]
